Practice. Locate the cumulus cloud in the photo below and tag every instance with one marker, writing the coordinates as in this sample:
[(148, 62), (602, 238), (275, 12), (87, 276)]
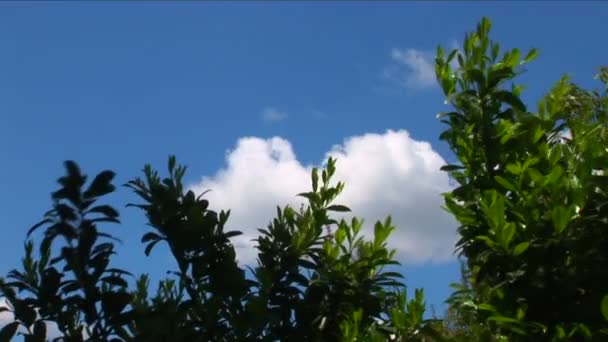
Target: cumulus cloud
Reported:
[(566, 134), (411, 68), (385, 174), (5, 316), (271, 114)]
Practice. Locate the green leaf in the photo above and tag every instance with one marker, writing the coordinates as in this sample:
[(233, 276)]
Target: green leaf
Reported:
[(307, 264), (554, 175), (232, 234), (440, 53), (485, 26), (172, 161), (497, 76), (115, 280), (105, 210), (311, 196), (560, 332), (38, 225), (604, 307), (520, 248), (507, 233), (451, 167), (339, 236), (538, 133), (40, 330), (460, 59), (561, 216), (514, 169), (495, 51), (486, 307), (101, 185), (150, 246), (382, 231), (477, 76), (584, 330), (26, 313), (8, 332), (510, 99), (452, 55), (517, 89), (315, 179), (512, 58), (338, 207), (532, 54), (505, 183), (72, 169), (113, 303), (502, 319), (489, 242), (494, 208), (150, 237), (536, 176)]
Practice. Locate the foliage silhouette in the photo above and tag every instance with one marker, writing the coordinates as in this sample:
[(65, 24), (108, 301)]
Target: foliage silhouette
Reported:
[(316, 278)]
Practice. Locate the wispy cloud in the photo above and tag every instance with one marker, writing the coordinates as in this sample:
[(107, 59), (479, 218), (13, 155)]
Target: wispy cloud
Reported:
[(318, 115), (411, 68), (271, 114)]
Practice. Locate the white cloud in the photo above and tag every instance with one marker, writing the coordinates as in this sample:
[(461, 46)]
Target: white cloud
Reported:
[(411, 68), (5, 316), (319, 115), (271, 114), (565, 134), (415, 69), (385, 174)]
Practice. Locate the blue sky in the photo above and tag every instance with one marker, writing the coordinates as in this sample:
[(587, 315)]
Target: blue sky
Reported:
[(120, 84)]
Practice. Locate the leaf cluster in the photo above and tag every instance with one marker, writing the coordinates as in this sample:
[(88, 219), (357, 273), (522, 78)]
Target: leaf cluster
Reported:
[(532, 194)]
